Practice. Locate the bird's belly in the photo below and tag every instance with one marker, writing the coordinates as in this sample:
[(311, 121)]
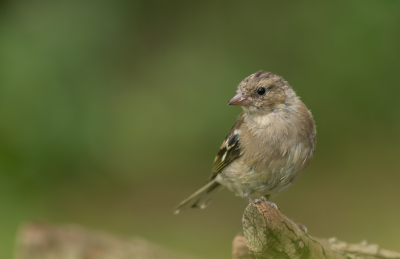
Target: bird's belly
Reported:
[(271, 179)]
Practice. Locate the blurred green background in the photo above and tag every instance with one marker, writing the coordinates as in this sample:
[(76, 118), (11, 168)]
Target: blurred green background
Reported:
[(112, 112)]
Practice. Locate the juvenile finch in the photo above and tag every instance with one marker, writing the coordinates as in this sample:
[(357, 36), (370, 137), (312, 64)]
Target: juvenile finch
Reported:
[(269, 146)]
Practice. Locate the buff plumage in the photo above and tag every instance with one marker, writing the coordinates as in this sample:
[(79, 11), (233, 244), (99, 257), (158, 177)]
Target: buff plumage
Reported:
[(270, 145)]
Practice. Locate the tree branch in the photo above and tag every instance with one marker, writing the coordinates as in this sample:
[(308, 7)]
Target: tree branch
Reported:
[(270, 234)]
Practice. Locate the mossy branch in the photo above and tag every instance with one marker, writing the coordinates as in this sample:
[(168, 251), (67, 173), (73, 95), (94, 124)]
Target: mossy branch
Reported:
[(267, 233)]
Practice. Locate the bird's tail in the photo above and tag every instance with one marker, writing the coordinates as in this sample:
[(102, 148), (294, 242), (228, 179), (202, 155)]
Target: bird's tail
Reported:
[(201, 198)]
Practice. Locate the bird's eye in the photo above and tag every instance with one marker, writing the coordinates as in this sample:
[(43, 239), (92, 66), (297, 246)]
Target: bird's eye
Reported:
[(261, 91)]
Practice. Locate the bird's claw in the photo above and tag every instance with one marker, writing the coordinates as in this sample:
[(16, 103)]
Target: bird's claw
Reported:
[(271, 204), (263, 199)]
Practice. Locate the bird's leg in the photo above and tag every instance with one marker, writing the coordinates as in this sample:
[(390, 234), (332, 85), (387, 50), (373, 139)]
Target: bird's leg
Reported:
[(248, 197)]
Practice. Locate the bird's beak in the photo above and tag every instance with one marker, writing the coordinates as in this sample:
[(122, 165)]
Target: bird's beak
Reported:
[(240, 99)]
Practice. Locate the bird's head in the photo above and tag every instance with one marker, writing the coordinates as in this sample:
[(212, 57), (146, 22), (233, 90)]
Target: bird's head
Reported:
[(262, 93)]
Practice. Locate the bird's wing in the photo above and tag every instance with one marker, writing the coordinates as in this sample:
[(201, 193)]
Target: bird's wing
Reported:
[(230, 148)]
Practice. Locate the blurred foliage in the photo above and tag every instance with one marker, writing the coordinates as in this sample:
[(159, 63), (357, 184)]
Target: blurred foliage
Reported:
[(112, 111)]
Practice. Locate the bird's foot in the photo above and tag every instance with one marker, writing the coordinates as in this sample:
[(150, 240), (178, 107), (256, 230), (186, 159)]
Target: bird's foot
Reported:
[(263, 199), (271, 204)]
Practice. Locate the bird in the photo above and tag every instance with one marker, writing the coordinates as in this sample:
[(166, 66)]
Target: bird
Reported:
[(270, 145)]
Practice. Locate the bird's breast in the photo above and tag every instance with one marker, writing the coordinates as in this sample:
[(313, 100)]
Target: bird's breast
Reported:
[(273, 157)]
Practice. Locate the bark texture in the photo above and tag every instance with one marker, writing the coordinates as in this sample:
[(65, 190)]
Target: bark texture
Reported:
[(270, 234)]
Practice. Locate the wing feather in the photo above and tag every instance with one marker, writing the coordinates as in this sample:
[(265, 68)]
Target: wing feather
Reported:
[(230, 148)]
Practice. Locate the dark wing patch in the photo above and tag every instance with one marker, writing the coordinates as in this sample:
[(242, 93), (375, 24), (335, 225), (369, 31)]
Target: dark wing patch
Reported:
[(230, 149), (228, 152), (232, 141)]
